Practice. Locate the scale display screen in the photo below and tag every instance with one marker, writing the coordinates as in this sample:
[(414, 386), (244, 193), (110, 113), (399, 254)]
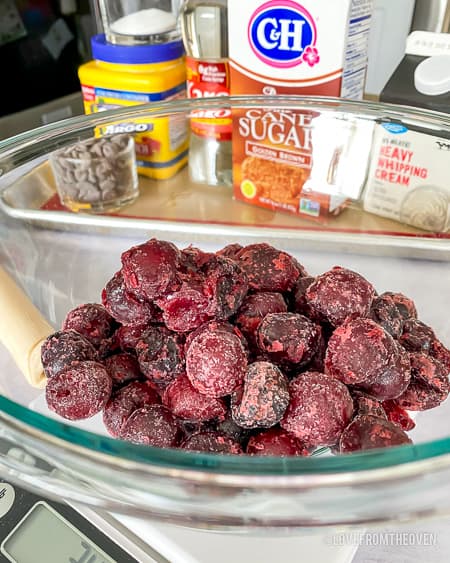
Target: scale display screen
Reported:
[(44, 535)]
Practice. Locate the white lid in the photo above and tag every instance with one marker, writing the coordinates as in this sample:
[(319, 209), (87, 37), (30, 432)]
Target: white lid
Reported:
[(432, 76)]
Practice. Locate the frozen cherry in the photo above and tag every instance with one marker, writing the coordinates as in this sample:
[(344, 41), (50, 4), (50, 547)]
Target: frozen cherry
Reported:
[(288, 338), (128, 336), (185, 309), (385, 312), (358, 351), (125, 401), (340, 294), (399, 416), (254, 308), (230, 251), (267, 268), (160, 355), (64, 347), (429, 386), (80, 391), (365, 404), (216, 363), (92, 321), (188, 427), (320, 409), (108, 347), (275, 442), (417, 336), (366, 432), (405, 305), (215, 326), (226, 285), (392, 379), (302, 272), (318, 360), (211, 442), (150, 269), (441, 353), (263, 398), (187, 403), (193, 258), (122, 368), (151, 425), (233, 430), (300, 304), (124, 306)]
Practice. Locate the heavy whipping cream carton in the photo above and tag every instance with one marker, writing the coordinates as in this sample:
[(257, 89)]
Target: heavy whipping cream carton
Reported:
[(409, 178), (305, 47)]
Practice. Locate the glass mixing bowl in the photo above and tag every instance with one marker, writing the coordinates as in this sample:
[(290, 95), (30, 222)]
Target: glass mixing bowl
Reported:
[(62, 259)]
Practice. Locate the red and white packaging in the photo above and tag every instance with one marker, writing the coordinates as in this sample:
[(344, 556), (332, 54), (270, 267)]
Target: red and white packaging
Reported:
[(304, 47), (207, 80)]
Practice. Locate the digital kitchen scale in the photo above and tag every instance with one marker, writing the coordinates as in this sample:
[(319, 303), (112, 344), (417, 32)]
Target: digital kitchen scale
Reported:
[(34, 529)]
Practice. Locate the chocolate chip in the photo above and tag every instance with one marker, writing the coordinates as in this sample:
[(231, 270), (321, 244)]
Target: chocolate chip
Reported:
[(97, 149), (91, 171), (81, 175), (107, 185), (110, 151)]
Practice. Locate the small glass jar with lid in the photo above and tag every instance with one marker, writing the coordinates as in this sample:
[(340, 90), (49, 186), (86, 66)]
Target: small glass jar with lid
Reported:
[(131, 22)]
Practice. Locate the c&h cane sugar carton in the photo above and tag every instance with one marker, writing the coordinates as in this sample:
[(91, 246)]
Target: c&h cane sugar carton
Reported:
[(279, 47)]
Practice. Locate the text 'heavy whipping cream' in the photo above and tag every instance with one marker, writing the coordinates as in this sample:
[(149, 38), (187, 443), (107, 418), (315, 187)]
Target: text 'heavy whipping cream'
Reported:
[(308, 47), (408, 178)]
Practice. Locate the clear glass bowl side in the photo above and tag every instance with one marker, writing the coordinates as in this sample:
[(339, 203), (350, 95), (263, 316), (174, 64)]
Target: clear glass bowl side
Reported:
[(78, 274)]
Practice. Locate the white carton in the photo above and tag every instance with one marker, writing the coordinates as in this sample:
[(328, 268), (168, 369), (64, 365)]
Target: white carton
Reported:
[(312, 47), (409, 178)]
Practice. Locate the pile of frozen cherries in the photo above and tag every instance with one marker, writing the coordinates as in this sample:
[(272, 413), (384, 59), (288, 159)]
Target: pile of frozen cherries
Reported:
[(241, 351)]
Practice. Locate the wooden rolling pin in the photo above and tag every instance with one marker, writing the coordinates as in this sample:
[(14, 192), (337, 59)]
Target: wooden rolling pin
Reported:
[(22, 330)]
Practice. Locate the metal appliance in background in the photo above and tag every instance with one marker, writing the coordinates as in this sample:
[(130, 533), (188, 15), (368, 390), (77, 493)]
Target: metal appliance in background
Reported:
[(391, 24), (432, 15)]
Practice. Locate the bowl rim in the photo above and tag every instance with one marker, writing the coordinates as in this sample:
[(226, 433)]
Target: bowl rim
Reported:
[(374, 111), (359, 468), (371, 465)]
